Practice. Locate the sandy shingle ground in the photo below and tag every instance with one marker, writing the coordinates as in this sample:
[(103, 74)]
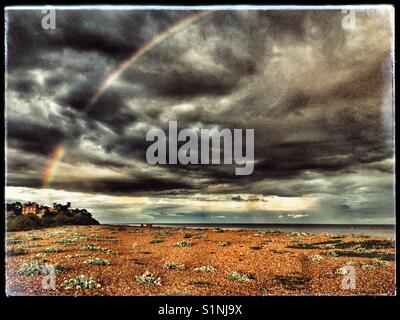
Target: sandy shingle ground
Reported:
[(276, 264)]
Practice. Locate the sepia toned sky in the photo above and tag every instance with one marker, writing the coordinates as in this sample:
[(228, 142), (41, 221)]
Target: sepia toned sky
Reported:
[(81, 98)]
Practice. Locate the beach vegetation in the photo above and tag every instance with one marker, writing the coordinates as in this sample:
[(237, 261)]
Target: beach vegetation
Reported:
[(81, 282), (149, 279)]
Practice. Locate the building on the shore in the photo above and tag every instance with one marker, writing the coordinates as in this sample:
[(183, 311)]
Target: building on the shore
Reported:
[(30, 208), (33, 208)]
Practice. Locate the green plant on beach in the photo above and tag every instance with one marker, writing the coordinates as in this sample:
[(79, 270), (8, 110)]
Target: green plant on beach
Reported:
[(224, 244), (174, 266), (66, 242), (205, 269), (149, 279), (30, 245), (156, 241), (16, 252), (91, 247), (239, 277), (81, 282), (31, 268), (36, 238), (40, 255), (94, 247), (374, 264), (315, 257), (14, 241), (330, 254), (98, 261), (38, 267), (183, 244), (340, 271), (273, 232)]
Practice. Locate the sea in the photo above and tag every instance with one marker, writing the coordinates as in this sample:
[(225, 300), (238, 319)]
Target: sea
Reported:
[(375, 230)]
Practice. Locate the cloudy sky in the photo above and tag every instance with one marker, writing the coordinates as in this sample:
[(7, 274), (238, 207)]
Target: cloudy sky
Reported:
[(318, 95)]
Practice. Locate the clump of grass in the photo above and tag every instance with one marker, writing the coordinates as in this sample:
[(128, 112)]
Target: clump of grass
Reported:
[(295, 234), (14, 241), (38, 267), (156, 241), (224, 244), (51, 250), (205, 269), (183, 244), (340, 271), (331, 254), (91, 247), (239, 277), (31, 268), (187, 235), (174, 266), (374, 264), (273, 232), (218, 229), (60, 268), (36, 238), (315, 257), (258, 234), (40, 255), (30, 245), (149, 279), (66, 242), (81, 282), (94, 247), (98, 261), (256, 248), (16, 252)]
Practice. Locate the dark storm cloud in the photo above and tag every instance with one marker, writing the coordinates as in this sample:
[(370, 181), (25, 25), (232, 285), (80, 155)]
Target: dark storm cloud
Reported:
[(134, 185), (114, 34), (318, 97), (42, 139)]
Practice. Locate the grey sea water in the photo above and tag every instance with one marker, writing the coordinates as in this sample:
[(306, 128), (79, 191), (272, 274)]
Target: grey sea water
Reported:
[(388, 231)]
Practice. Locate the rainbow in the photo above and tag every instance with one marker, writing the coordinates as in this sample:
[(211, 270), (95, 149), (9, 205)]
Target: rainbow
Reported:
[(59, 151), (112, 76), (51, 168)]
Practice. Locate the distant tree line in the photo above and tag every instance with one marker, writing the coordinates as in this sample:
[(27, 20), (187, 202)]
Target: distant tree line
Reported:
[(31, 215)]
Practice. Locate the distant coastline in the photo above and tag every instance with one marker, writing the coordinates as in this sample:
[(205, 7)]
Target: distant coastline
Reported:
[(384, 230)]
